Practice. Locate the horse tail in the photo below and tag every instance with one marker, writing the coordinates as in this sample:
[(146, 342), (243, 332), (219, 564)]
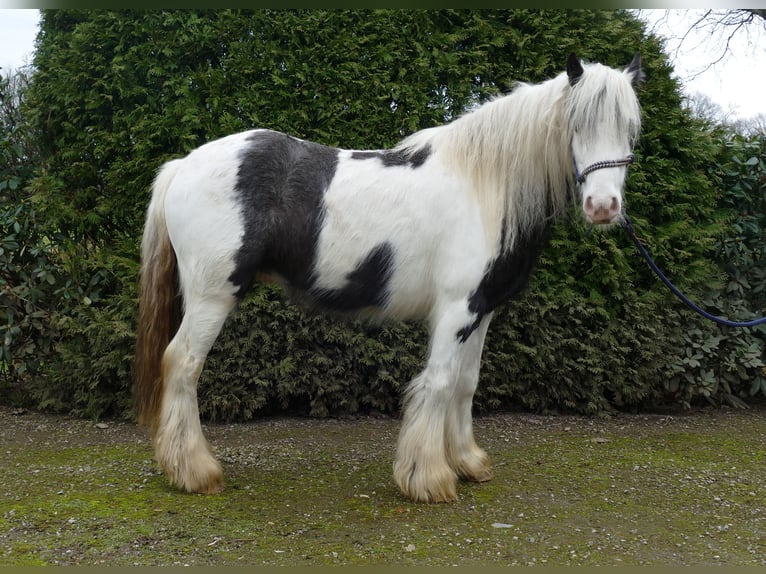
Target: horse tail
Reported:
[(159, 307)]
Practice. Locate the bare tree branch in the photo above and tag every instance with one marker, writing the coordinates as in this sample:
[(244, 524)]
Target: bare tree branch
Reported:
[(719, 27)]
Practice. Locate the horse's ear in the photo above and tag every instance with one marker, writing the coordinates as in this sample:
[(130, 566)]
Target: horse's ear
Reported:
[(635, 71), (574, 69)]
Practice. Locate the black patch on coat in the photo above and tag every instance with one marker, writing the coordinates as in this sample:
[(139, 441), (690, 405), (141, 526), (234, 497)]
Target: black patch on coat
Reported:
[(396, 158), (281, 182), (574, 69), (367, 285), (505, 277)]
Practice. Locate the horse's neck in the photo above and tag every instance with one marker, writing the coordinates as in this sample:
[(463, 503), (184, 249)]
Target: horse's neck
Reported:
[(514, 151)]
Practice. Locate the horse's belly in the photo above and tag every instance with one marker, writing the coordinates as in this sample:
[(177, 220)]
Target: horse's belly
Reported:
[(411, 294)]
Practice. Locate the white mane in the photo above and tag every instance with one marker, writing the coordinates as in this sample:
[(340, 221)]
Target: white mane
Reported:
[(516, 149)]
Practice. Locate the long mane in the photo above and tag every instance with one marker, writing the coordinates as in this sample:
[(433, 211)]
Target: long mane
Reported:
[(516, 149)]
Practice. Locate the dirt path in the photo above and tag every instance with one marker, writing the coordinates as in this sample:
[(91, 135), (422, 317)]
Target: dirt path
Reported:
[(643, 489)]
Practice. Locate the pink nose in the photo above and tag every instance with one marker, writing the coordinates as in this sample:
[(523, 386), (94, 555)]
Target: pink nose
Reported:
[(602, 211)]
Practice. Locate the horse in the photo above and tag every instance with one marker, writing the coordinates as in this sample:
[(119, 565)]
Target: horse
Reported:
[(441, 228)]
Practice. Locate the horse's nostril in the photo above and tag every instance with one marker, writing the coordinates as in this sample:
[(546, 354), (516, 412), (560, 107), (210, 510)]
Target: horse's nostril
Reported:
[(602, 210)]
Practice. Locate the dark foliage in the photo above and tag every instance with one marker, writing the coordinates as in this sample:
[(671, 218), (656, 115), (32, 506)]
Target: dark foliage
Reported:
[(116, 93)]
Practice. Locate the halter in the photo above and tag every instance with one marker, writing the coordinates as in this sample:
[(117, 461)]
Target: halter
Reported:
[(580, 177)]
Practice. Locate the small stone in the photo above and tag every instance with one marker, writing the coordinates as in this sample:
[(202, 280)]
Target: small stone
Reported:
[(501, 525)]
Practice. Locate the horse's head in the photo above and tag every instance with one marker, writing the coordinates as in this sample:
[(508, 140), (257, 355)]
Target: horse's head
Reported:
[(604, 120)]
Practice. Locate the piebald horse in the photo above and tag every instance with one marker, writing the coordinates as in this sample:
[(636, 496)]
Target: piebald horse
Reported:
[(443, 227)]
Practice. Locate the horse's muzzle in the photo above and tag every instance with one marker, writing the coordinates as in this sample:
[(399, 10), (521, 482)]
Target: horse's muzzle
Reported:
[(601, 212)]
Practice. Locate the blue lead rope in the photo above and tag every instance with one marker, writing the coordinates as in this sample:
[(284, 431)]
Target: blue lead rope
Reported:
[(628, 227)]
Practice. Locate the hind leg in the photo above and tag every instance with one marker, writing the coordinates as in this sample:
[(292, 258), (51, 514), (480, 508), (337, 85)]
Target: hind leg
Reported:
[(180, 447), (468, 460)]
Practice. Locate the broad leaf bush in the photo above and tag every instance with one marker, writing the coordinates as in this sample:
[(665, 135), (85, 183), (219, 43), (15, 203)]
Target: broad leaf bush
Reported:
[(29, 276), (725, 364), (27, 285)]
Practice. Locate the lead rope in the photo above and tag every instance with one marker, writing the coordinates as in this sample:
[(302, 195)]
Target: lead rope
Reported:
[(627, 225)]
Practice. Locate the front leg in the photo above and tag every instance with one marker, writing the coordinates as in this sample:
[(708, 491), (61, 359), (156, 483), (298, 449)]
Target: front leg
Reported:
[(464, 455), (422, 469)]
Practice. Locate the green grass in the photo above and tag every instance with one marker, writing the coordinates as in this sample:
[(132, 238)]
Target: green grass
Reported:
[(630, 490)]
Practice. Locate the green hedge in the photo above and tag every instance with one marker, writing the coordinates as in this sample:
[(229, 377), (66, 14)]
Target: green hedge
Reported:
[(715, 363), (116, 93)]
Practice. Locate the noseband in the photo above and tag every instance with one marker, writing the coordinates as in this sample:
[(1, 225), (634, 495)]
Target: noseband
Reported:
[(580, 176)]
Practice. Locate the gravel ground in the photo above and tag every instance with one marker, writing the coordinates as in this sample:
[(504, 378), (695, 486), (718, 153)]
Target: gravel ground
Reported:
[(682, 489)]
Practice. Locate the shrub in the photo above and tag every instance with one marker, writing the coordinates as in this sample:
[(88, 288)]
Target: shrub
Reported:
[(590, 335), (89, 375), (716, 363)]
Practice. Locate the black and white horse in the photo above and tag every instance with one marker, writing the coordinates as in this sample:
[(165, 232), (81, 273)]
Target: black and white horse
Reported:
[(443, 227)]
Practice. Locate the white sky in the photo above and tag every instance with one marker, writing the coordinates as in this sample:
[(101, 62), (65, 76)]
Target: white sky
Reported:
[(737, 83), (18, 29)]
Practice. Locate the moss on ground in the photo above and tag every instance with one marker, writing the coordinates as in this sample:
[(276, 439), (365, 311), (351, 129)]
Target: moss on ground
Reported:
[(567, 490)]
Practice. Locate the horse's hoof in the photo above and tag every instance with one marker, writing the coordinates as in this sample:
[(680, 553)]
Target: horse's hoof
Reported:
[(203, 475), (474, 466), (208, 480), (484, 475), (429, 487)]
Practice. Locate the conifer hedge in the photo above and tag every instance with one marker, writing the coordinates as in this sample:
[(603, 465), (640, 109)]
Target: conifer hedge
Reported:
[(116, 93)]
